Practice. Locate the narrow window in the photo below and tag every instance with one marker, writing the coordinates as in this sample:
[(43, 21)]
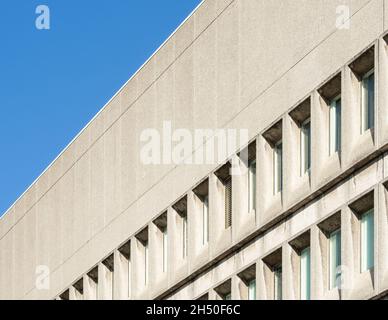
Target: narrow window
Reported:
[(335, 125), (146, 263), (252, 290), (184, 236), (335, 258), (278, 293), (202, 194), (182, 224), (367, 241), (305, 274), (330, 241), (278, 167), (252, 185), (305, 131), (368, 100), (228, 202), (205, 220), (165, 249), (273, 274)]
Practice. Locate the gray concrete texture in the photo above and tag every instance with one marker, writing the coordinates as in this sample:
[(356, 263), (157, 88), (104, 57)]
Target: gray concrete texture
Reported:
[(243, 64)]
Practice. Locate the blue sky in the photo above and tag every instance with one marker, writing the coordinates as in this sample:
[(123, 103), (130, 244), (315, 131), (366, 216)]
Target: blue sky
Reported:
[(52, 82)]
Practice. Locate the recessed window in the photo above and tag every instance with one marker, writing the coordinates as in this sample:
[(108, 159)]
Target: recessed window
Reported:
[(273, 136), (252, 185), (330, 92), (205, 220), (302, 118), (363, 209), (274, 274), (305, 274), (181, 208), (367, 240), (363, 69), (252, 290), (368, 100), (278, 167), (334, 258), (330, 242), (305, 142), (278, 283), (202, 192), (165, 249), (250, 152), (184, 237), (228, 202), (146, 263), (301, 246), (224, 176), (335, 125), (248, 283)]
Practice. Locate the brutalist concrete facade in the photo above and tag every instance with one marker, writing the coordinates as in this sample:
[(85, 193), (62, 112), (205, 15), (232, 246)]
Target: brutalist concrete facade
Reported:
[(246, 64)]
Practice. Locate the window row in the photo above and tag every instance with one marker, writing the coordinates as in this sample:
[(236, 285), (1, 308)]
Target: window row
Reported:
[(331, 241)]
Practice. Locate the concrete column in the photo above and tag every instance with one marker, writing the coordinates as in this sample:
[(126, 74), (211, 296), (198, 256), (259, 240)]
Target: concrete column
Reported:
[(382, 236), (121, 276), (235, 287), (90, 288), (74, 294), (347, 251), (261, 281), (317, 254), (138, 269), (289, 290), (382, 93), (105, 282)]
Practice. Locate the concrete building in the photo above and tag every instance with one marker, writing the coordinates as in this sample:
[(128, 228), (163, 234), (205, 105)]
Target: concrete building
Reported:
[(307, 220)]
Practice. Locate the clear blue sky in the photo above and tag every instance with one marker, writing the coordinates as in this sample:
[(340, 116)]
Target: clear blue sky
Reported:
[(52, 82)]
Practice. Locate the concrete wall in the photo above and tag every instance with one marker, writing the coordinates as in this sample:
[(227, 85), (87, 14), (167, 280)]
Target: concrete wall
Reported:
[(232, 64)]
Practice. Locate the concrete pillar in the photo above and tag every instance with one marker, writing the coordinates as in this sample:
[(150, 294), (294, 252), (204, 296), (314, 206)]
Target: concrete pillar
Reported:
[(317, 260), (350, 239), (382, 236), (235, 287), (291, 273), (121, 276), (105, 282), (261, 281), (382, 93), (74, 294), (90, 288)]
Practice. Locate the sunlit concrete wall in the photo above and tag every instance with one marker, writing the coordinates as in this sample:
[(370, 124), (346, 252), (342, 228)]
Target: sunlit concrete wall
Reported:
[(242, 64)]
